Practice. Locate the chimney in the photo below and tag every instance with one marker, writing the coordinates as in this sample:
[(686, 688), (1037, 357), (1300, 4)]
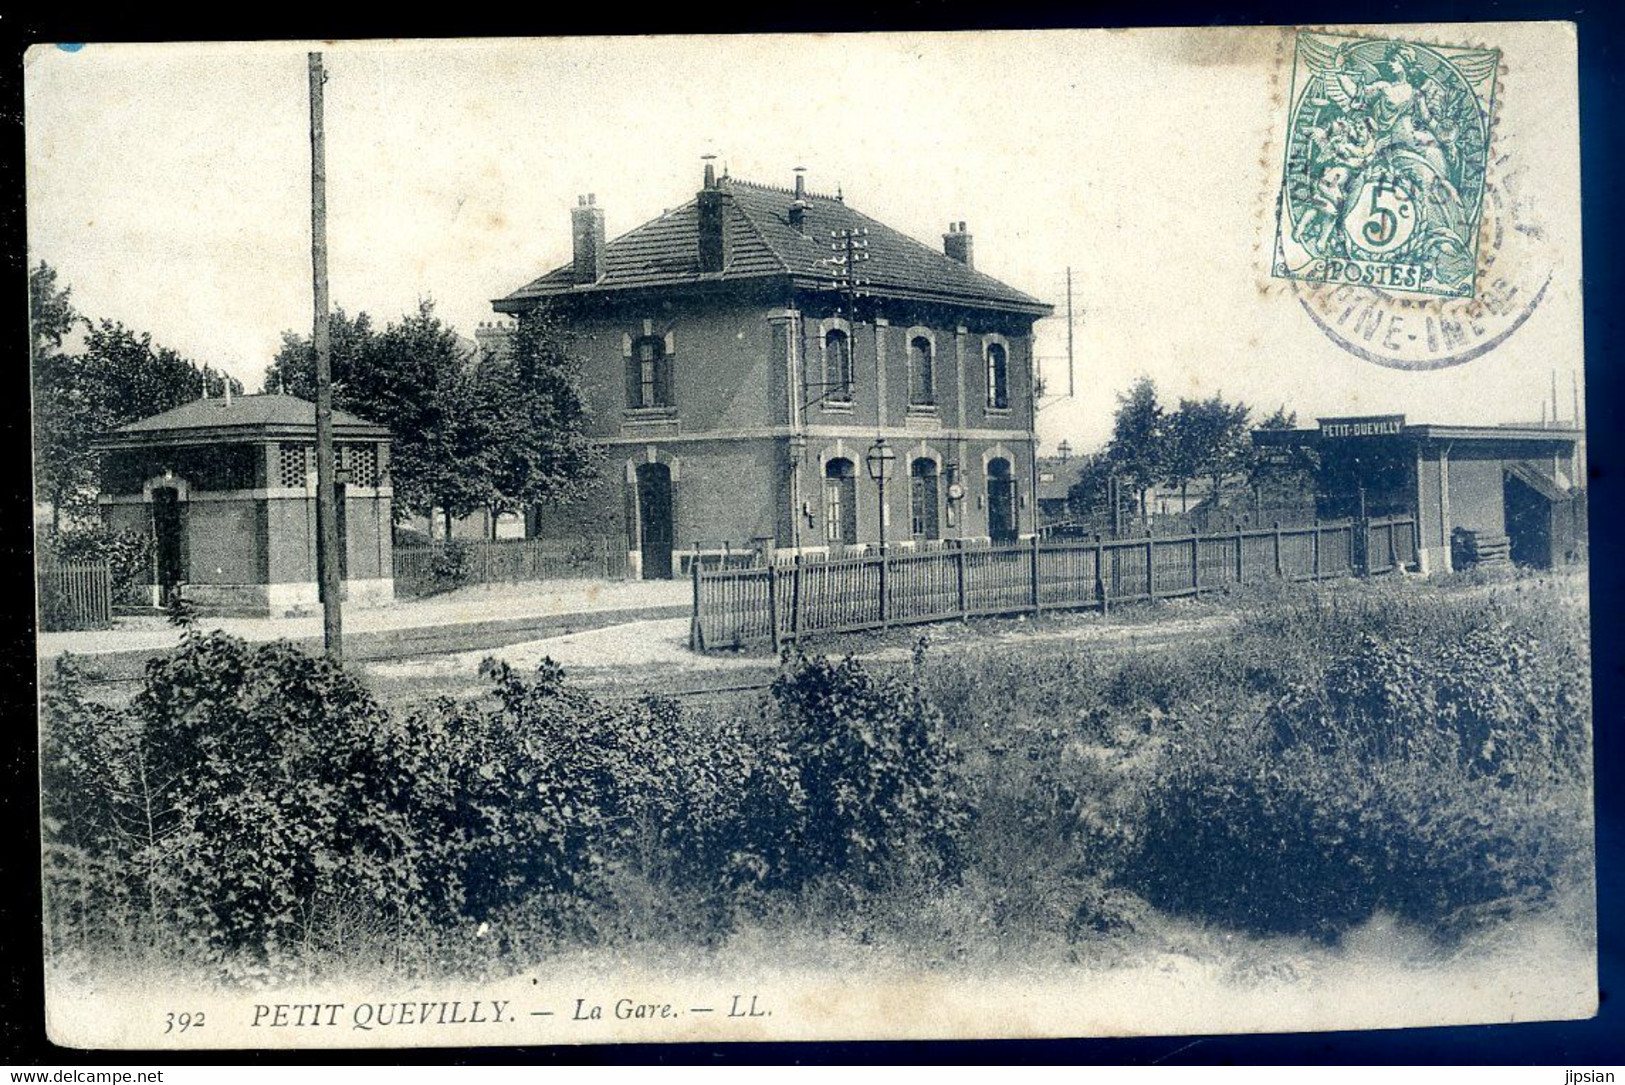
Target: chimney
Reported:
[(956, 243), (801, 182), (587, 235), (713, 224)]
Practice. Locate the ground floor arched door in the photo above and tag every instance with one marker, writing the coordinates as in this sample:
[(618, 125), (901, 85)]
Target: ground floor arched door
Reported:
[(655, 520), (1001, 501), (924, 523), (840, 502), (169, 539)]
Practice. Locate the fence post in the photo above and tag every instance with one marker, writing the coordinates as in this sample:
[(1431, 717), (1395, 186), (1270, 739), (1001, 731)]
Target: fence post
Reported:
[(696, 632), (1151, 568), (1196, 565), (795, 601), (1315, 548), (884, 562), (959, 566), (1241, 546), (773, 602), (1032, 556), (1393, 551), (1100, 576), (1279, 572)]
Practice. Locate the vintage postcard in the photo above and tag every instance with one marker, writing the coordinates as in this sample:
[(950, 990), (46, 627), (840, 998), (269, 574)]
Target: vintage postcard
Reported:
[(928, 535)]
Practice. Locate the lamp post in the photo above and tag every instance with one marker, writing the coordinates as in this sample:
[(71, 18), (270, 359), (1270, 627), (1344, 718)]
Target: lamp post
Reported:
[(880, 460)]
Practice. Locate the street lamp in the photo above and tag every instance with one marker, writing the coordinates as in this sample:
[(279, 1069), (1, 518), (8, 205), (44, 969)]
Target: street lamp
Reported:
[(880, 460)]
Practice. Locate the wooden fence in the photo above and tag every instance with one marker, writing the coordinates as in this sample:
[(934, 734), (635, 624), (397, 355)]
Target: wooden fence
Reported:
[(75, 595), (421, 570), (808, 597)]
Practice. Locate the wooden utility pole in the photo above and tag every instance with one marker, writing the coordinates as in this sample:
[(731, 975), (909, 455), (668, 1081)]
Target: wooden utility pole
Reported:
[(327, 542), (1071, 379)]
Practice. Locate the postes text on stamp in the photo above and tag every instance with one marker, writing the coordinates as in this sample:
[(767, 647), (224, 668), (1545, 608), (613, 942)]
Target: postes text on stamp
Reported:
[(1386, 153)]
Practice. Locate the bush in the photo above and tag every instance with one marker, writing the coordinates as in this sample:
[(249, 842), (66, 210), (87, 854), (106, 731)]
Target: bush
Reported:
[(246, 795), (543, 793), (877, 771), (453, 565), (1434, 767), (254, 805)]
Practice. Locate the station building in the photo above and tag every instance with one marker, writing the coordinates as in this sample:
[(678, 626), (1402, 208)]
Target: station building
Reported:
[(745, 354), (1478, 493)]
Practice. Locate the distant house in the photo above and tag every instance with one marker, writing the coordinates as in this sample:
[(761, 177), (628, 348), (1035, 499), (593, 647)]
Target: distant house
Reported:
[(1056, 477), (741, 395), (1168, 500), (227, 490)]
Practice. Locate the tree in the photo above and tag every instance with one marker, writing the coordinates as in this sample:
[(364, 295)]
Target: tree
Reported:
[(1138, 446), (411, 378), (50, 311), (293, 370), (469, 433), (119, 376), (1207, 438), (1089, 496), (543, 454)]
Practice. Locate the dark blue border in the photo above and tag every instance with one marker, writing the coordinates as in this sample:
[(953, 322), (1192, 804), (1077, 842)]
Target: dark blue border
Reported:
[(1602, 107)]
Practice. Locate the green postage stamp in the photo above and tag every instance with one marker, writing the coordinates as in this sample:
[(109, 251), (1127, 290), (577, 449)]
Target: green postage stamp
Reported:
[(1387, 143)]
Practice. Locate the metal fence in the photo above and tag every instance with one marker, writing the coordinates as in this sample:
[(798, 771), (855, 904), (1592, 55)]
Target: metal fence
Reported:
[(422, 570), (809, 597), (75, 595)]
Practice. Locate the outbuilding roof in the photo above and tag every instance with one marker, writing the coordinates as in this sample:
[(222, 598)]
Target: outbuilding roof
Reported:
[(267, 416), (762, 244), (1511, 433)]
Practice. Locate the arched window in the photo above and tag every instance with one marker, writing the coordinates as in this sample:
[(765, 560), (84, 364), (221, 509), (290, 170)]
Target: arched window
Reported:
[(921, 387), (923, 499), (838, 365), (840, 502), (648, 374), (998, 377)]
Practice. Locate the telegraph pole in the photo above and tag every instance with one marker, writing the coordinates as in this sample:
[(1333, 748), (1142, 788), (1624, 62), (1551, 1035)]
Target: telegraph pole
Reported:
[(327, 549), (1071, 380)]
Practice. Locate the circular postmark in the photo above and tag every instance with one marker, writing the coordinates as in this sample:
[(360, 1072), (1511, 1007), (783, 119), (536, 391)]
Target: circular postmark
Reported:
[(1410, 331)]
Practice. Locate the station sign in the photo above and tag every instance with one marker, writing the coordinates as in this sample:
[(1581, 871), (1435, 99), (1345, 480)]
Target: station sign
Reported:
[(1382, 425)]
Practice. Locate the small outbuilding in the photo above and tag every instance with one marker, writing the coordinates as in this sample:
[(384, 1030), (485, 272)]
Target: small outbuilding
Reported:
[(227, 490), (1478, 493)]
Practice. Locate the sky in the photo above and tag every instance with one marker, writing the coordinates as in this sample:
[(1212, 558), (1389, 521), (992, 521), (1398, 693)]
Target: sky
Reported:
[(169, 187)]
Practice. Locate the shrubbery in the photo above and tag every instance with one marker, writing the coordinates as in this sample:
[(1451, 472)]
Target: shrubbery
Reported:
[(453, 565), (1341, 754), (1374, 748), (129, 556), (1435, 770), (255, 806)]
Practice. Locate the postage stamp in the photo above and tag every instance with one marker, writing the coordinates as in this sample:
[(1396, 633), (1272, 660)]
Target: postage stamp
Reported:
[(1384, 177)]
